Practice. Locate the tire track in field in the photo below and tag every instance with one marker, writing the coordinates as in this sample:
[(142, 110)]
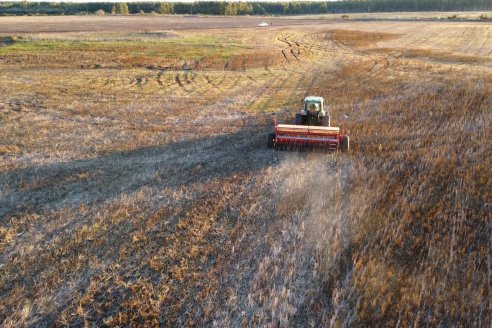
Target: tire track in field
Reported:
[(293, 50), (423, 39), (214, 84), (380, 63), (240, 82), (319, 48), (285, 56), (229, 91), (178, 81), (488, 38), (298, 87), (160, 78), (485, 42), (469, 41), (473, 44), (196, 82), (315, 45), (219, 85), (139, 81), (270, 92), (352, 53), (209, 81), (261, 90), (164, 126), (186, 82), (459, 36), (444, 41)]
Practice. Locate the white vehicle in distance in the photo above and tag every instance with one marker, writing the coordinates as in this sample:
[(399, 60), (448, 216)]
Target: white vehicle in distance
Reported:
[(263, 24)]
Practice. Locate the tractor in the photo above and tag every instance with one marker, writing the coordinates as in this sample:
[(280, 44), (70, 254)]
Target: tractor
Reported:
[(311, 130), (313, 112)]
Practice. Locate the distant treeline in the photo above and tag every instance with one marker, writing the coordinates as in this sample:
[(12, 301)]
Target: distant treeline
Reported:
[(239, 8)]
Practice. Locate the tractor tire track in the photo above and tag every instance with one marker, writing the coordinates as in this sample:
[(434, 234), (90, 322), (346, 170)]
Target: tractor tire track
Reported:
[(285, 56), (159, 81), (178, 81), (261, 91), (295, 53), (278, 84), (209, 81), (485, 42)]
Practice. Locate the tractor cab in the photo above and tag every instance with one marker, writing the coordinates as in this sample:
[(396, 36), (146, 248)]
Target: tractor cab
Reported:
[(312, 105), (313, 112)]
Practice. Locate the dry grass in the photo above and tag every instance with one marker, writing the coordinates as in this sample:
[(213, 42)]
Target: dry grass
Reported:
[(358, 38), (163, 51), (134, 194)]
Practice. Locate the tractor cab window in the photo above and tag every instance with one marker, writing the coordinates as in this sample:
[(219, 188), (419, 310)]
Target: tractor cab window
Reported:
[(312, 107)]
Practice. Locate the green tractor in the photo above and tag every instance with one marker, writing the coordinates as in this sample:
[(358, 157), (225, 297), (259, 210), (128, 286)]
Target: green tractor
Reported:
[(313, 112), (312, 129)]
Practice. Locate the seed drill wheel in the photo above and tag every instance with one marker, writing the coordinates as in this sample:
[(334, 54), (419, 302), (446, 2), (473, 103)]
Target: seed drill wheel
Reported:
[(345, 144), (270, 142)]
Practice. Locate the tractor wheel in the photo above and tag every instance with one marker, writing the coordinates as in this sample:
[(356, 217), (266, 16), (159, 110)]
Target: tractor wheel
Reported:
[(325, 120), (271, 137), (345, 144), (298, 119)]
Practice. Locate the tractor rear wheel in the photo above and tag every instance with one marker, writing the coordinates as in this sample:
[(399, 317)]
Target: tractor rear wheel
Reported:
[(325, 120), (345, 144), (298, 119), (271, 138)]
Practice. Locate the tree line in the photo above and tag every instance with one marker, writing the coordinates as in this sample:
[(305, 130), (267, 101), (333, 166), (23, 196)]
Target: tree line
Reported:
[(239, 8)]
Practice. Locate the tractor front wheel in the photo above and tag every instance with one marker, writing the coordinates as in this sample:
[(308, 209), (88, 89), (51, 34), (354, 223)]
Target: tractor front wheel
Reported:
[(270, 140), (345, 144)]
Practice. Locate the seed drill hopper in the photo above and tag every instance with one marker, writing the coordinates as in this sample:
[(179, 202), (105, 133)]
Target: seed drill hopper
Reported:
[(312, 130)]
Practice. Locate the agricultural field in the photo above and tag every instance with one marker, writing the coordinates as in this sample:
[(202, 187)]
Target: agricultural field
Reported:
[(136, 186)]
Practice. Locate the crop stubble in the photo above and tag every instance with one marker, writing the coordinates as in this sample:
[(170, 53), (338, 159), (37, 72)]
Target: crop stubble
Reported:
[(133, 190)]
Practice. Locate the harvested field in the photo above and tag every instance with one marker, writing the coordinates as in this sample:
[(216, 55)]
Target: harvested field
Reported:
[(136, 23), (136, 187)]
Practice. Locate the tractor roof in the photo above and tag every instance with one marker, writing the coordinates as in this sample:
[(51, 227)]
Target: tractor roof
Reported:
[(313, 99)]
